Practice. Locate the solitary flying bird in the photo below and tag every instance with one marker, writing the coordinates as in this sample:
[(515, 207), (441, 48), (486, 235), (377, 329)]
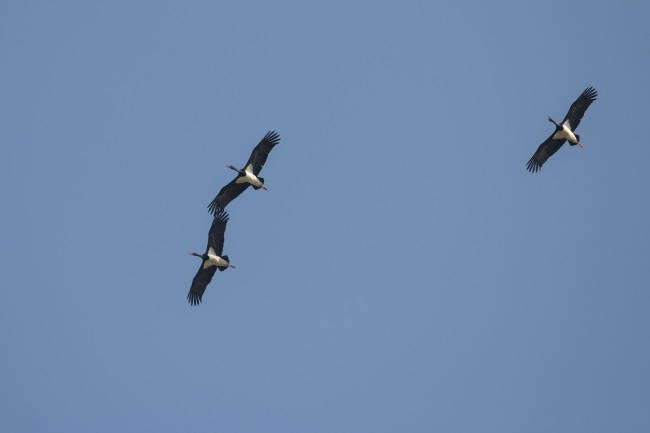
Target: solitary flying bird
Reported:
[(246, 176), (563, 131), (212, 259)]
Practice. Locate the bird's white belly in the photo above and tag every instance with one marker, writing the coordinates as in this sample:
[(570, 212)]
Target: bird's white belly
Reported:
[(567, 134), (214, 261), (250, 178)]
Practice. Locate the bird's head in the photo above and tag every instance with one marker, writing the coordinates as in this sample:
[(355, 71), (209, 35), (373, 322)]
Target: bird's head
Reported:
[(553, 121), (232, 167), (203, 256)]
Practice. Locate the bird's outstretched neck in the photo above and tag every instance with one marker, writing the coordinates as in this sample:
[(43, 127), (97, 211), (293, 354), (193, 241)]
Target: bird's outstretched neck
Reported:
[(552, 121)]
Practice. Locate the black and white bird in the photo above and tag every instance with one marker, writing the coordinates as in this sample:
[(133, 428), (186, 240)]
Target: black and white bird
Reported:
[(563, 131), (248, 175), (212, 259)]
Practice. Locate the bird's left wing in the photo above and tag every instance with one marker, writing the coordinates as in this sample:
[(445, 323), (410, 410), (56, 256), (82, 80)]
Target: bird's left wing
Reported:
[(578, 108), (217, 230), (261, 152)]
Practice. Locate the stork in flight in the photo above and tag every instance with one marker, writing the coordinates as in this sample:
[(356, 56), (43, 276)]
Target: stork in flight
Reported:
[(211, 259), (246, 176), (563, 131)]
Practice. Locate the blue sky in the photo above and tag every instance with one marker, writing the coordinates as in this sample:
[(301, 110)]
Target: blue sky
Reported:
[(404, 272)]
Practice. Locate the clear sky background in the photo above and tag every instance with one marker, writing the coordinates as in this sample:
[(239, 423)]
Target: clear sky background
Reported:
[(404, 272)]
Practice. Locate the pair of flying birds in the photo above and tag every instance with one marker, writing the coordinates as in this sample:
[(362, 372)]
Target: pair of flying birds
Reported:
[(213, 259)]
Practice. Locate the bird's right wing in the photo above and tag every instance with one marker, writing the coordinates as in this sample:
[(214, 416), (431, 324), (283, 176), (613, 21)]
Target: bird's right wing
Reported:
[(544, 152), (200, 283), (227, 194)]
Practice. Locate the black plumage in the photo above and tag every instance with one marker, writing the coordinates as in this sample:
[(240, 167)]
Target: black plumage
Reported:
[(557, 139), (208, 266), (254, 165)]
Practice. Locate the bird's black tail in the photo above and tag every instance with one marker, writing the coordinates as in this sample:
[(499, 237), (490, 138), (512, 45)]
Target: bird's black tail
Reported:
[(261, 180), (223, 268)]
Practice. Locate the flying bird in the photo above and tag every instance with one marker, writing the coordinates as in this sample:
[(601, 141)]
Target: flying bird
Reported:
[(563, 131), (211, 259), (248, 175)]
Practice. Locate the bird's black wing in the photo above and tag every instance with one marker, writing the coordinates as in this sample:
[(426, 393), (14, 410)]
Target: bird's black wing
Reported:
[(261, 151), (544, 152), (216, 233), (200, 283), (578, 108), (227, 194)]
